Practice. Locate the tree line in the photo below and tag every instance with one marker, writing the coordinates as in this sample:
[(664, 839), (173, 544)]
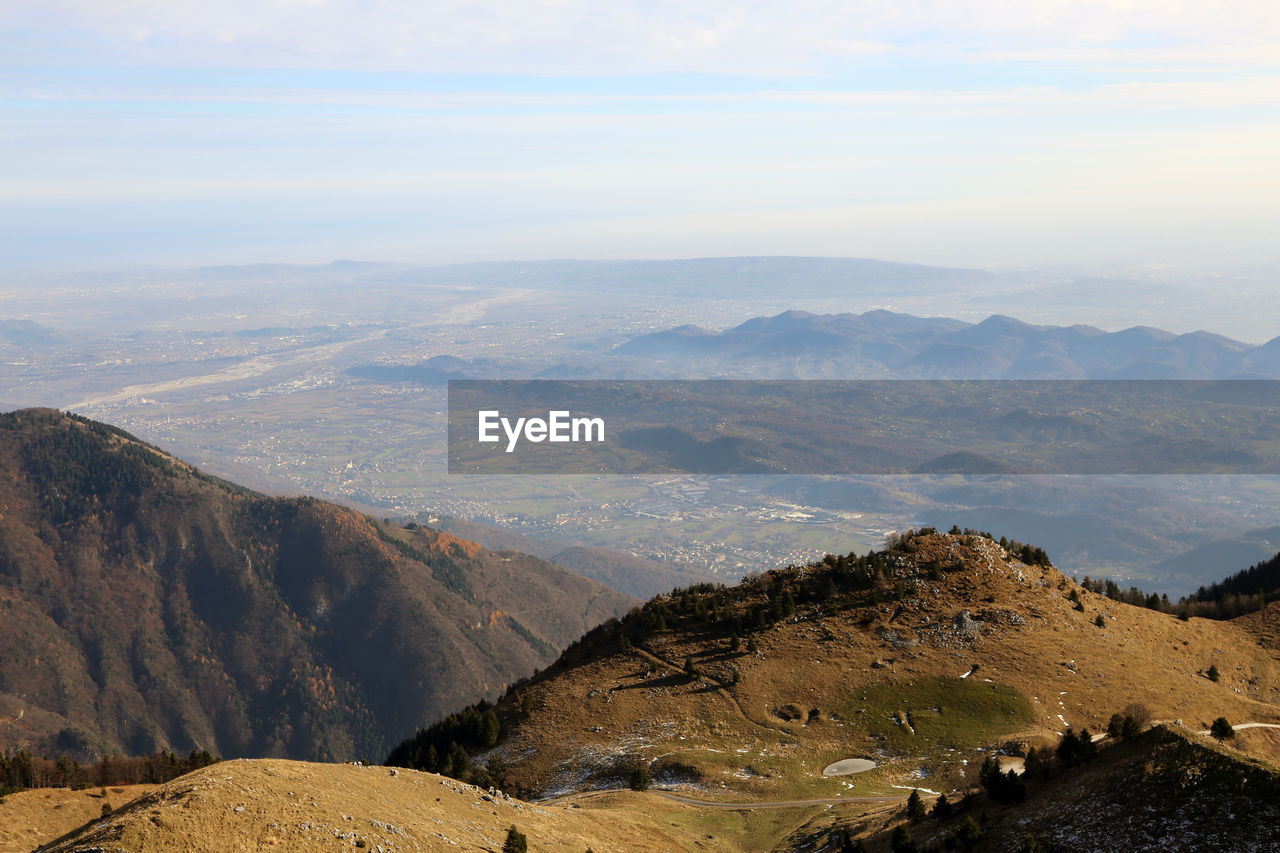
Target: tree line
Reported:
[(21, 770)]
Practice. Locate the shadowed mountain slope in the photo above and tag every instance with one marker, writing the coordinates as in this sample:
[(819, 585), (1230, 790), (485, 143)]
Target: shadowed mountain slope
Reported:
[(146, 605)]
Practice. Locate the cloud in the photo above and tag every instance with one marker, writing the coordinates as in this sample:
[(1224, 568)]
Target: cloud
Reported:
[(628, 36)]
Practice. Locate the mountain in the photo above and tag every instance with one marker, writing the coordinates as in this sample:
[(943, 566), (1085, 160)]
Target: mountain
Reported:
[(1214, 559), (20, 334), (881, 343), (919, 659), (147, 605), (935, 663)]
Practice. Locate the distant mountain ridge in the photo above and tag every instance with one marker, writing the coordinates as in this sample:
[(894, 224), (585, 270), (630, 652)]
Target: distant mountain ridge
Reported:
[(146, 605), (883, 343)]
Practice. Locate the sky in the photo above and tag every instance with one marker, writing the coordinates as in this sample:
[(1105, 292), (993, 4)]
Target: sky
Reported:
[(992, 134)]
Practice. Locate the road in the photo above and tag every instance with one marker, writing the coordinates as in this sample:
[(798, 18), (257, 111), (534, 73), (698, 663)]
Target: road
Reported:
[(779, 804), (1249, 726), (711, 804)]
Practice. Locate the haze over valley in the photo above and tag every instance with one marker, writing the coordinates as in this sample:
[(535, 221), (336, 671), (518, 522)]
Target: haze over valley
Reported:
[(928, 364)]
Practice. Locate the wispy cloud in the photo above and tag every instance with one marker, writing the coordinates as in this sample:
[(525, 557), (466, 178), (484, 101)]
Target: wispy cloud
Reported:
[(637, 128), (624, 36)]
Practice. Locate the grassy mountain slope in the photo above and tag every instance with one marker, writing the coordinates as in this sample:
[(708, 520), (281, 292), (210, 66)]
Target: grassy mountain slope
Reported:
[(864, 658), (297, 806), (145, 605)]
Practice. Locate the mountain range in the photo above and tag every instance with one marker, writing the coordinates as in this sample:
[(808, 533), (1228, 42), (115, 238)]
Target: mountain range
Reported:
[(884, 343), (147, 605)]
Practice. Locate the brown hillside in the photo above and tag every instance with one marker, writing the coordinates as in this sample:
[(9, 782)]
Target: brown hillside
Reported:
[(869, 666), (297, 806), (31, 818), (1263, 624), (144, 605)]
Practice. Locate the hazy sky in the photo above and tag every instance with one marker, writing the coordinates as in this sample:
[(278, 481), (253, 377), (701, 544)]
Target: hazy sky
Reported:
[(971, 133)]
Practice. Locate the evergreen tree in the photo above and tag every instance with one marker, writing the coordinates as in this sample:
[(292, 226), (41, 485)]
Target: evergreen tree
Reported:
[(942, 808), (516, 842), (915, 806)]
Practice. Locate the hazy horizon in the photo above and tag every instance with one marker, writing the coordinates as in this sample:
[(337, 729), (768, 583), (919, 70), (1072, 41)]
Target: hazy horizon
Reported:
[(977, 134)]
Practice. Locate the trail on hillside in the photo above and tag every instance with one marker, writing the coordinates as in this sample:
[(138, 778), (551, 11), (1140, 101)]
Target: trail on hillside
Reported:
[(1243, 726), (719, 688), (715, 804), (781, 804)]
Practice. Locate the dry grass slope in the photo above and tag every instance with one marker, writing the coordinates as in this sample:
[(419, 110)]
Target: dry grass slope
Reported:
[(845, 677), (296, 806), (31, 818)]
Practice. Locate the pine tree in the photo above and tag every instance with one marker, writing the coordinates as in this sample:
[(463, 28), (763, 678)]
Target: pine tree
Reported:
[(516, 842), (915, 806), (1222, 729), (942, 808)]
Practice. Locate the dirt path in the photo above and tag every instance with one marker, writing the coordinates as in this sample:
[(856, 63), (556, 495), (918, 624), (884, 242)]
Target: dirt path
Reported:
[(780, 804), (716, 804), (720, 689), (1244, 726)]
